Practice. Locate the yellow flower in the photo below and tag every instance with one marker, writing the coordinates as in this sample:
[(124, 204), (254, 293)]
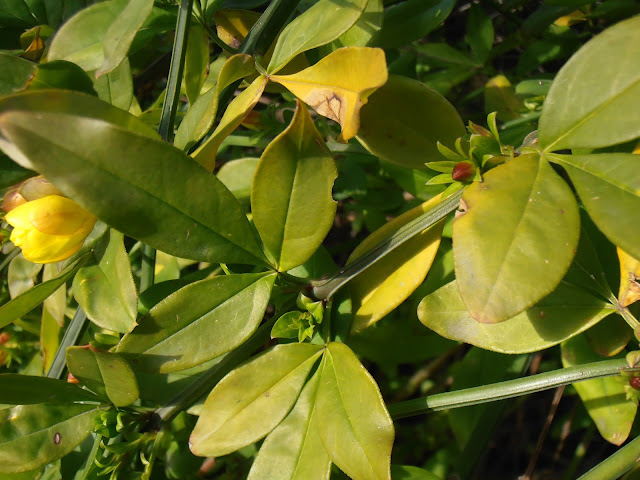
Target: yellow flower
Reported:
[(49, 229)]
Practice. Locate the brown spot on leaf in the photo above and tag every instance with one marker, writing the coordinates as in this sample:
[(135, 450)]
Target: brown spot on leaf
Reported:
[(326, 103), (57, 438), (462, 208)]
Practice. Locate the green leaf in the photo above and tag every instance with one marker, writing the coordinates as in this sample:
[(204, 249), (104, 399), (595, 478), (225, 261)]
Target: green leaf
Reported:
[(406, 472), (61, 74), (232, 118), (578, 112), (562, 314), (355, 428), (198, 322), (15, 72), (514, 238), (293, 451), (365, 32), (325, 21), (403, 121), (105, 289), (200, 117), (289, 324), (116, 86), (480, 32), (21, 275), (610, 336), (237, 176), (389, 282), (196, 61), (11, 173), (34, 435), (253, 399), (114, 184), (80, 40), (609, 186), (119, 36), (107, 374), (16, 13), (291, 193), (27, 301), (604, 398), (26, 390), (411, 20)]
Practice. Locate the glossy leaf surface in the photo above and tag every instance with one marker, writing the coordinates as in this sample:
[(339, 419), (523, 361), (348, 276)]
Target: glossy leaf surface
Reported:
[(356, 429), (26, 390), (80, 40), (232, 118), (403, 121), (107, 374), (593, 99), (34, 435), (115, 184), (325, 21), (293, 451), (120, 34), (199, 118), (521, 218), (339, 84), (609, 187), (105, 289), (199, 322), (390, 281), (253, 399), (559, 316), (291, 193), (27, 301), (604, 398)]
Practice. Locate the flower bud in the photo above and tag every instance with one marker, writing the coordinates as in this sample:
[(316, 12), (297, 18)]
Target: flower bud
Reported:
[(49, 229)]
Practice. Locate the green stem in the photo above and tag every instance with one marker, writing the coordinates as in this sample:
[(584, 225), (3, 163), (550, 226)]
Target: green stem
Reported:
[(203, 384), (324, 289), (617, 464), (71, 336), (508, 389), (170, 104)]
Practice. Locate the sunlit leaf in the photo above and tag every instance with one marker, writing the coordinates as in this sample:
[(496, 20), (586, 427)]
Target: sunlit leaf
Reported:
[(199, 322), (604, 398), (404, 120), (253, 399), (237, 176), (390, 281), (578, 112), (116, 86), (291, 192), (232, 118), (562, 314), (107, 374), (34, 435), (293, 451), (105, 289), (232, 26), (355, 428), (119, 36), (325, 21), (629, 279), (196, 61), (201, 115), (114, 184), (609, 187), (522, 217)]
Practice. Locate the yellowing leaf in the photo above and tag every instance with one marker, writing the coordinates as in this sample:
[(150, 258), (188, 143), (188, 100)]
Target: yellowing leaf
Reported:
[(629, 279), (232, 118), (233, 26), (500, 96), (339, 84), (388, 282)]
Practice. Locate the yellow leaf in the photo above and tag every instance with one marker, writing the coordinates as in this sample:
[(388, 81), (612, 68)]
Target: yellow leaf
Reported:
[(339, 84), (237, 110), (500, 96), (390, 281), (571, 19), (233, 26), (629, 279)]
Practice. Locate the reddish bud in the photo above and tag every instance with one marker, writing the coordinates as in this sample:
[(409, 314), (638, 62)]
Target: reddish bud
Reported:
[(635, 383), (463, 172), (4, 337), (72, 379)]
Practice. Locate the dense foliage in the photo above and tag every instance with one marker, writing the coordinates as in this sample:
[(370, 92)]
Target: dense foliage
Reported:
[(249, 239)]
